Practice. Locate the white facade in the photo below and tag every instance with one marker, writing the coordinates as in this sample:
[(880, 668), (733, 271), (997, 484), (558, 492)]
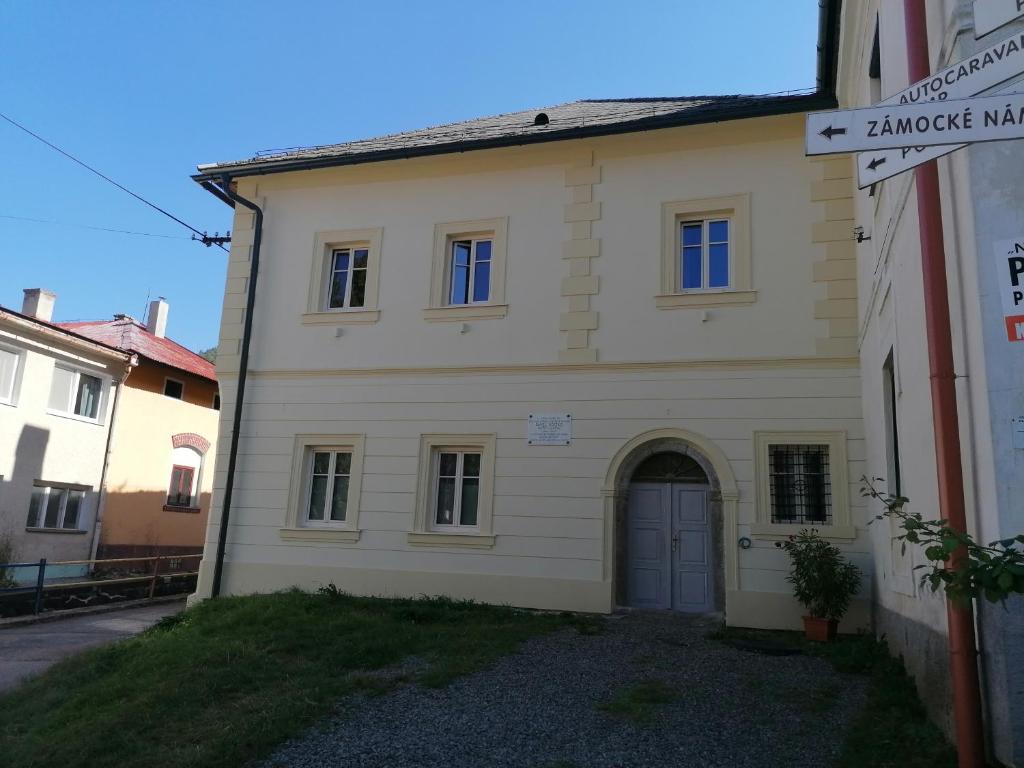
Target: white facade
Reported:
[(55, 415), (579, 323), (981, 199)]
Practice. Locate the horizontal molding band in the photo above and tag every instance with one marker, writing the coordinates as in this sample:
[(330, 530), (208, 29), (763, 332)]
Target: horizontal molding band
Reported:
[(606, 366)]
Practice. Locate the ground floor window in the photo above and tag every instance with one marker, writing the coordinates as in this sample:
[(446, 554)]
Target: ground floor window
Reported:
[(180, 492), (457, 496), (329, 476), (801, 485), (56, 507)]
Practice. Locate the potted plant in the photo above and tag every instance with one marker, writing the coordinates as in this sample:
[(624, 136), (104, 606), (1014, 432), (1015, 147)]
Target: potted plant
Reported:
[(823, 581)]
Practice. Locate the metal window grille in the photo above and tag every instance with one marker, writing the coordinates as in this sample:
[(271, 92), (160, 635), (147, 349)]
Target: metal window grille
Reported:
[(801, 484)]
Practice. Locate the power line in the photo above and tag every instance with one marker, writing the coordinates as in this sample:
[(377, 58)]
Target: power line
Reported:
[(89, 226), (105, 177)]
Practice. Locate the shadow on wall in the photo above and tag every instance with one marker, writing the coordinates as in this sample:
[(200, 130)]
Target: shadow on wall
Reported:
[(138, 524), (17, 545)]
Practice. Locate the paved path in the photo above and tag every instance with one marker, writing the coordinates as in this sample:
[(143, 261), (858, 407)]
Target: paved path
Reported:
[(552, 705), (29, 649)]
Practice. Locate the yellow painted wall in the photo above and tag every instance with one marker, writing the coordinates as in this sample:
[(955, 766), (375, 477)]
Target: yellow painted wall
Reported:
[(140, 466)]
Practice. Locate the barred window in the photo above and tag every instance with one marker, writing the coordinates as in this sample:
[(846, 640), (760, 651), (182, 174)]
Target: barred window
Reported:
[(800, 484)]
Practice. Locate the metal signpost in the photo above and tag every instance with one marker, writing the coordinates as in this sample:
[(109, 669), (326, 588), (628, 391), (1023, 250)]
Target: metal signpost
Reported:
[(960, 121), (975, 74), (990, 15)]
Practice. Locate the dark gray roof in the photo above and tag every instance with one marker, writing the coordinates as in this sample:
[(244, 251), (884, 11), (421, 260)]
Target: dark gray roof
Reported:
[(578, 119)]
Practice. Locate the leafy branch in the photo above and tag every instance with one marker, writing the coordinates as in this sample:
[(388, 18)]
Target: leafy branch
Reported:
[(995, 571)]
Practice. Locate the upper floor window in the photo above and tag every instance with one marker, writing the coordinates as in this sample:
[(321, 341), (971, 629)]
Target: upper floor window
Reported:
[(703, 254), (347, 288), (10, 362), (75, 392), (344, 278), (174, 388), (469, 269), (57, 507)]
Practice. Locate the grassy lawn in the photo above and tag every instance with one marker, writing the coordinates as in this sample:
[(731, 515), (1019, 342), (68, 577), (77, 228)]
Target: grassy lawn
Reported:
[(229, 679), (893, 731)]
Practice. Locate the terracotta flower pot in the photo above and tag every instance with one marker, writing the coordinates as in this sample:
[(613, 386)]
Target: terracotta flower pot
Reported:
[(820, 630)]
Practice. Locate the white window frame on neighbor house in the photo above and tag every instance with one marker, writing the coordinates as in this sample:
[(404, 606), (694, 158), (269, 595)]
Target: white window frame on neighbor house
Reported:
[(841, 526), (47, 488), (735, 209), (10, 396), (445, 236), (297, 525), (326, 244), (426, 532), (68, 412), (167, 380)]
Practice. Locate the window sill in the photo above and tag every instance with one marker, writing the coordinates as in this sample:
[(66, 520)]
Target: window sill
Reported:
[(55, 530), (437, 539), (704, 299), (74, 417), (464, 312), (190, 510), (347, 536), (342, 317), (779, 531)]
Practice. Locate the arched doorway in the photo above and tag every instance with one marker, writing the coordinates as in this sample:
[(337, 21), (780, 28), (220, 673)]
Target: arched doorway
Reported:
[(673, 504)]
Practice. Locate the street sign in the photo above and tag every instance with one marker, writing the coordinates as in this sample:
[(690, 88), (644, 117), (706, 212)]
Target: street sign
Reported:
[(959, 121), (990, 15), (1010, 265), (977, 73)]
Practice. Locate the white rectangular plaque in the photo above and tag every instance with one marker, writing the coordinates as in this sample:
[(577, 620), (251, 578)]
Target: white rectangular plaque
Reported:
[(549, 429)]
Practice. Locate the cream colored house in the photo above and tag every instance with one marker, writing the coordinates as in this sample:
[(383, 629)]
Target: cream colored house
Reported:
[(58, 392), (982, 196), (600, 354)]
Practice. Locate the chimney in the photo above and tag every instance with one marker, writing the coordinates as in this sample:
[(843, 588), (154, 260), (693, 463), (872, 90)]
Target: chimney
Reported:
[(38, 303), (157, 322)]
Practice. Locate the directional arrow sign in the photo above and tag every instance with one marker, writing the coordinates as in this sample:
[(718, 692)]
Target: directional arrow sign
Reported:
[(990, 15), (960, 121), (969, 77)]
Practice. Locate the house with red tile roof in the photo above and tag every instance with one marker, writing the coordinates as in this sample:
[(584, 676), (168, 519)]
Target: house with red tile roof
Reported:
[(160, 474)]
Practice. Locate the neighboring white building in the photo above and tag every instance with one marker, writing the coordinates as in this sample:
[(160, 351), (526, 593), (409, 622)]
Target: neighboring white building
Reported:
[(57, 394), (983, 205)]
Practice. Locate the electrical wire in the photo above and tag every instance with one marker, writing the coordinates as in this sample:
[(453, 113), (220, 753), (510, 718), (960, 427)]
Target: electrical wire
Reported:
[(89, 226), (105, 177)]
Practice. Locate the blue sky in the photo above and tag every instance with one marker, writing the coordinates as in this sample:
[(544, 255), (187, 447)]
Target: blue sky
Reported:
[(146, 90)]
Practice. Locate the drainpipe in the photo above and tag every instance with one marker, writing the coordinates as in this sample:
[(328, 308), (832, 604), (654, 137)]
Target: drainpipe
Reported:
[(243, 366), (963, 653), (101, 504)]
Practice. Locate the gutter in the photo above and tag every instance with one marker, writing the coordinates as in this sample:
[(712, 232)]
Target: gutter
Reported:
[(227, 194), (97, 525)]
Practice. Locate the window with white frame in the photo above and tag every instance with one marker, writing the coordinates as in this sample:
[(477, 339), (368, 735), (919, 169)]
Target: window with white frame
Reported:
[(75, 392), (704, 254), (346, 286), (10, 363), (705, 257), (456, 489), (802, 481), (56, 507), (469, 270), (344, 280), (327, 486)]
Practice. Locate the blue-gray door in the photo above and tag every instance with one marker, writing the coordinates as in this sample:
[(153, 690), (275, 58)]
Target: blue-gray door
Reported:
[(669, 562)]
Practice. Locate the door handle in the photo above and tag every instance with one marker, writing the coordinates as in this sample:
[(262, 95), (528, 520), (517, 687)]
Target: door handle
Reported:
[(675, 541)]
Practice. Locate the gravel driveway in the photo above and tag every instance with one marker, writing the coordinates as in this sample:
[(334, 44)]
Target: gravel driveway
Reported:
[(547, 706)]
